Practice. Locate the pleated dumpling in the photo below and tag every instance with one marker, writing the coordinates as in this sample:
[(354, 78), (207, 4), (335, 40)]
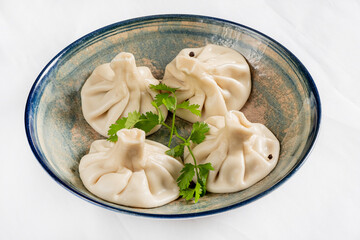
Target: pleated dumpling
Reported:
[(133, 171), (242, 153), (115, 89), (215, 77)]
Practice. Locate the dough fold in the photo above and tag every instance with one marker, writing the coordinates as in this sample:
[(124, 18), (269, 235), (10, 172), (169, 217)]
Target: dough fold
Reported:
[(114, 90), (216, 78), (133, 171), (241, 153)]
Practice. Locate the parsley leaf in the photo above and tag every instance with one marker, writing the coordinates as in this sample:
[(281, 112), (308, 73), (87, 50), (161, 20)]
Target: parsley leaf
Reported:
[(132, 119), (162, 87), (189, 193), (187, 174), (147, 121), (194, 108), (204, 172), (198, 191), (113, 138), (177, 151), (198, 132), (119, 124), (144, 122), (154, 104), (166, 99), (169, 103), (114, 128), (159, 99)]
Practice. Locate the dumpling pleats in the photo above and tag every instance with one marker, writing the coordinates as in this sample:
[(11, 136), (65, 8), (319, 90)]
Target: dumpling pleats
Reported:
[(114, 90), (241, 153), (214, 77), (133, 171)]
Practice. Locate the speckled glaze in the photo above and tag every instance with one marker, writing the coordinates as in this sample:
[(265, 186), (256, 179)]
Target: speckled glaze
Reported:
[(283, 97)]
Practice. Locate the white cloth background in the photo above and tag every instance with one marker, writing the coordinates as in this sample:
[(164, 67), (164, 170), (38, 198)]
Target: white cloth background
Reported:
[(321, 201)]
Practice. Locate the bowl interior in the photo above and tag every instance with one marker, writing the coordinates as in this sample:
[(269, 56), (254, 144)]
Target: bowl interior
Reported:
[(283, 98)]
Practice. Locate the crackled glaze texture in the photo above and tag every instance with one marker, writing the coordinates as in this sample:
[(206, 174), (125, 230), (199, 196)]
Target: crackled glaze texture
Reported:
[(283, 98)]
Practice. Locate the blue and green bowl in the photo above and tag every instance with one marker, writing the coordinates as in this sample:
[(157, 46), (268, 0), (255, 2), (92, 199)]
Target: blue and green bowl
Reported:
[(284, 98)]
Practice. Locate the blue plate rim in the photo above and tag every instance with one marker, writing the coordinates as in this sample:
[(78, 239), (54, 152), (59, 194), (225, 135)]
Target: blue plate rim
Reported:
[(303, 69)]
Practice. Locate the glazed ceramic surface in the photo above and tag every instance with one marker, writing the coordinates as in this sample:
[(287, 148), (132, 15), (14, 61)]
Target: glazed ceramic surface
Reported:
[(283, 97)]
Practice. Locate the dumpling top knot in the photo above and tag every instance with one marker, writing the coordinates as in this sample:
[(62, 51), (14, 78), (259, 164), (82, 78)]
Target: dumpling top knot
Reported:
[(216, 78)]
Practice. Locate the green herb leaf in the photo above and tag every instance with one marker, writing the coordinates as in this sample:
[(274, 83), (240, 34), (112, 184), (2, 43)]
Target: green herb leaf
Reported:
[(177, 151), (204, 173), (147, 121), (154, 104), (187, 174), (113, 138), (169, 103), (132, 119), (159, 99), (163, 87), (198, 132), (198, 191), (119, 124), (124, 122), (114, 128), (206, 167), (194, 108), (188, 193), (166, 99)]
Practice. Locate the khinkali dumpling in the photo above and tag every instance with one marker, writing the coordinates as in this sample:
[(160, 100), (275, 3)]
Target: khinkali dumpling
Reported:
[(215, 77), (115, 89), (242, 153), (133, 171)]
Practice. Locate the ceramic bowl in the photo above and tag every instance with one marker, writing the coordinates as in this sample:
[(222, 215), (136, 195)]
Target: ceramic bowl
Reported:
[(284, 98)]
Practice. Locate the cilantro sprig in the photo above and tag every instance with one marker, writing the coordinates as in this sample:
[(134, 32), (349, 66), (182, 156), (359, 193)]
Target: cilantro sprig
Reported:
[(147, 121), (187, 174), (201, 171), (168, 98)]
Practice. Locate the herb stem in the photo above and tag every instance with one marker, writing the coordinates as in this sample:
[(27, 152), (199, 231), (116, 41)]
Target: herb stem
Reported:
[(165, 125), (172, 128), (161, 117), (196, 166), (173, 121), (179, 136)]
